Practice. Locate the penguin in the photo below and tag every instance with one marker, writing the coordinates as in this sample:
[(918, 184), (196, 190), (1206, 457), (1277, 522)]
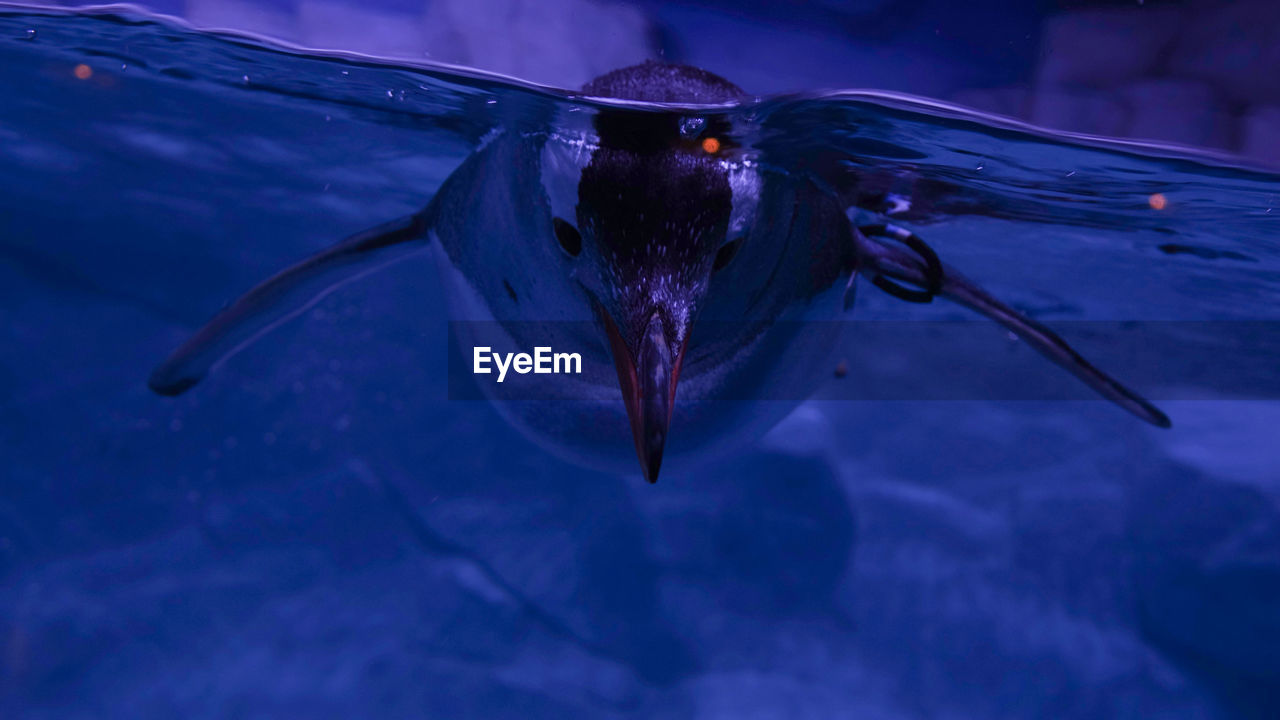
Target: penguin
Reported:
[(697, 279)]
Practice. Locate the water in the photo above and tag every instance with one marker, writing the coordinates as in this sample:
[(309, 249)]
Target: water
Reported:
[(317, 531)]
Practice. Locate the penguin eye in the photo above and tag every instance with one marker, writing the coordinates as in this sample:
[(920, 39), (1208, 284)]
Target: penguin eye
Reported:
[(568, 236), (726, 253)]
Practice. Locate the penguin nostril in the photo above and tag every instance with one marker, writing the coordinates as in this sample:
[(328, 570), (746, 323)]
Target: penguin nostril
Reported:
[(568, 236), (726, 253)]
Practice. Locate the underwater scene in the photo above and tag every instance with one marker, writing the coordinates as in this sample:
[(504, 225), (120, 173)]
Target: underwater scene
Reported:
[(892, 403)]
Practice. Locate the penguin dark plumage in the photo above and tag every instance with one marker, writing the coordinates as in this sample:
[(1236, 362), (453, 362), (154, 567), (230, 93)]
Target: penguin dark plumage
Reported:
[(657, 82), (656, 200)]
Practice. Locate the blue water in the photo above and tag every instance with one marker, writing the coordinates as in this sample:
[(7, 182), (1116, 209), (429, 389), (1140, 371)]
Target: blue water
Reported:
[(318, 531)]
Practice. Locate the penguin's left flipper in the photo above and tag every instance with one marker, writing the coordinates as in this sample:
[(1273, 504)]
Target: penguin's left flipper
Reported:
[(285, 295), (921, 268)]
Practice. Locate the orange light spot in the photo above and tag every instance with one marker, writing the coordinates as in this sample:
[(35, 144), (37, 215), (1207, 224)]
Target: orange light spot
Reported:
[(1158, 201), (711, 145), (83, 72)]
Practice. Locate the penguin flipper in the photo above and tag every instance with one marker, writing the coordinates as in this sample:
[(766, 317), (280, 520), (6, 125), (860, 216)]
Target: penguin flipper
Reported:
[(880, 260), (284, 296)]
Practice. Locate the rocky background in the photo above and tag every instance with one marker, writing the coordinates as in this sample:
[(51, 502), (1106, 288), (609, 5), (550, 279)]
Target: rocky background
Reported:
[(1195, 73)]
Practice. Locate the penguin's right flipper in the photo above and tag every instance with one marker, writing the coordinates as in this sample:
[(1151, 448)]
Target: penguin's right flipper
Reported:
[(285, 295), (922, 268)]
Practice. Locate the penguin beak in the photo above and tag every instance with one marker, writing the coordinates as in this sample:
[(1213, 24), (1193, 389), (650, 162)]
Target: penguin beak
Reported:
[(647, 374)]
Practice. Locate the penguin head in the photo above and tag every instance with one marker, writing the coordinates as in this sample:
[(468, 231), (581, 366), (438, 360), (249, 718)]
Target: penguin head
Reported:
[(656, 213)]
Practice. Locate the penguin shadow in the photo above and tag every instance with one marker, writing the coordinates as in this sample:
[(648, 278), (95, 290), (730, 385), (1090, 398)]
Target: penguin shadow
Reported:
[(633, 573), (563, 544), (761, 538), (1207, 582)]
